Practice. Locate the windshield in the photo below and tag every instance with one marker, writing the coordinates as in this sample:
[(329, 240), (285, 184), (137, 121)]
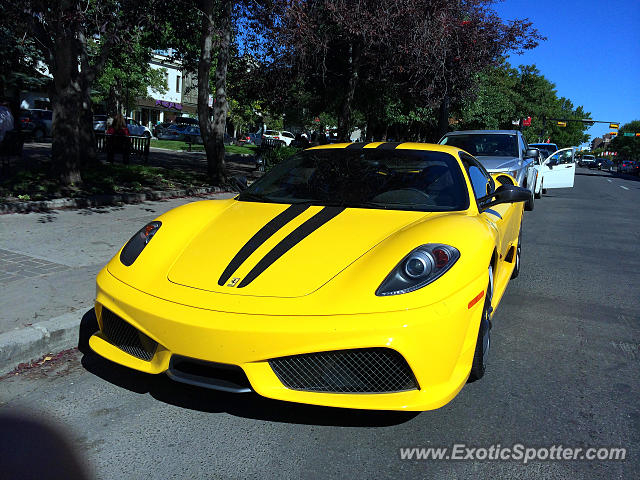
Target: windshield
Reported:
[(484, 144), (365, 178)]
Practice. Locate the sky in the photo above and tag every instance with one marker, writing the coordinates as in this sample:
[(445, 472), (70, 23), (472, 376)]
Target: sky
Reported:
[(592, 53)]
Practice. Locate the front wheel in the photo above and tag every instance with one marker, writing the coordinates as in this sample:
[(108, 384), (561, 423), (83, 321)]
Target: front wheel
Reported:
[(528, 205), (539, 194), (479, 365), (516, 268)]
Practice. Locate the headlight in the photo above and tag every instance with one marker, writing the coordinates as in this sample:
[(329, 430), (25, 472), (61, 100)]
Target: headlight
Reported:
[(421, 267), (134, 247)]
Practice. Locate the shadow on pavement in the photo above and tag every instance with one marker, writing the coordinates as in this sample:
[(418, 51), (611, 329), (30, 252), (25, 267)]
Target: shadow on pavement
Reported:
[(247, 405)]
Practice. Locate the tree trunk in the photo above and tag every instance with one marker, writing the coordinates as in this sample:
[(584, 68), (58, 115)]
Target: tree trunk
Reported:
[(213, 131), (344, 120), (66, 102)]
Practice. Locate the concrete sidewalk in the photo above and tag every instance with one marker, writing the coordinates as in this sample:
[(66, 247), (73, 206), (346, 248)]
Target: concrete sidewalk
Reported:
[(48, 265)]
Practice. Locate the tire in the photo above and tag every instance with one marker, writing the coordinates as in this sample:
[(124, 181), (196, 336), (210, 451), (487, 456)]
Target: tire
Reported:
[(539, 194), (479, 364), (516, 269), (528, 205)]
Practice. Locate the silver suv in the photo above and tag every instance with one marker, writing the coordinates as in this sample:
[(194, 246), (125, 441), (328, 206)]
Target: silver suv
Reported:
[(500, 151)]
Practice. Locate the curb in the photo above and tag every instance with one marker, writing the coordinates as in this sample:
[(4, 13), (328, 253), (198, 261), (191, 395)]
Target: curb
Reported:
[(102, 200), (32, 342)]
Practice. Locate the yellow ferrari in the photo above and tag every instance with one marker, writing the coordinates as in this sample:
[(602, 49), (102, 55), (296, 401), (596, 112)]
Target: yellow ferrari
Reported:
[(357, 275)]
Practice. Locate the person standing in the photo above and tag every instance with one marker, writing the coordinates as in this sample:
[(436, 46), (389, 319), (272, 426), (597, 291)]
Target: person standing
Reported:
[(117, 136), (6, 119)]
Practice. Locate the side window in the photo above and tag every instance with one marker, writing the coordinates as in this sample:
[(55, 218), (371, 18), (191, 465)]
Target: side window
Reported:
[(481, 181), (478, 181)]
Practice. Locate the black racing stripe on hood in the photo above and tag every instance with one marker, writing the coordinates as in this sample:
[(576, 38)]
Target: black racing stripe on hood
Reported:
[(355, 146), (291, 240), (388, 145), (275, 224)]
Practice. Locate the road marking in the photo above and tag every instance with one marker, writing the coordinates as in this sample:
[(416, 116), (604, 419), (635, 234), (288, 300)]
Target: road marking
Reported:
[(623, 187), (608, 180)]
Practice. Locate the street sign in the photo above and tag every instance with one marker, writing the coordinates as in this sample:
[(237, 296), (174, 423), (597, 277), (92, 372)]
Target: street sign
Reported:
[(630, 134), (614, 125), (562, 124)]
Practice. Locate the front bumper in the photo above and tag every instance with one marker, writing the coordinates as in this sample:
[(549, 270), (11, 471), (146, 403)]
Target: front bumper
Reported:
[(437, 342)]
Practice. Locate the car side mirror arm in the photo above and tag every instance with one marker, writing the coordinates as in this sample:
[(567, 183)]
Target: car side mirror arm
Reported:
[(504, 194)]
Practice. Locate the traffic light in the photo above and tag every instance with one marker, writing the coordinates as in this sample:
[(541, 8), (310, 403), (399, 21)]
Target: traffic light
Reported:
[(613, 134), (562, 124), (614, 125)]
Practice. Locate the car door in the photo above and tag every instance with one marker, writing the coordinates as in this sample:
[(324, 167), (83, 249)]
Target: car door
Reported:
[(559, 169), (500, 218)]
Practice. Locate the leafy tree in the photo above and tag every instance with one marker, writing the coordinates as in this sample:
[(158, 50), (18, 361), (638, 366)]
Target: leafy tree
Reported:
[(75, 40), (503, 94), (425, 50), (19, 69), (627, 147), (127, 74)]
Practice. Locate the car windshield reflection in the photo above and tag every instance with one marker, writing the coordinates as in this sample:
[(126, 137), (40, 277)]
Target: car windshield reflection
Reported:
[(365, 178)]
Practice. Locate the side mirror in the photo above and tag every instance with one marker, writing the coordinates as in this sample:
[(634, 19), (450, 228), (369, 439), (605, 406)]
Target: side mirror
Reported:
[(532, 153), (505, 194)]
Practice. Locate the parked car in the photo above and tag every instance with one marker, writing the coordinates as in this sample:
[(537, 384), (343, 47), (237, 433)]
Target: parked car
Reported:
[(36, 123), (255, 138), (187, 121), (191, 134), (604, 164), (587, 160), (137, 129), (283, 136), (503, 151), (100, 123), (347, 277), (160, 127), (173, 132), (557, 170), (546, 149), (632, 167), (627, 166)]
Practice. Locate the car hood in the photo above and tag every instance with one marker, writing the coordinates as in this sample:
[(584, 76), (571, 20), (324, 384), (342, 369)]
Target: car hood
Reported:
[(278, 250), (500, 164)]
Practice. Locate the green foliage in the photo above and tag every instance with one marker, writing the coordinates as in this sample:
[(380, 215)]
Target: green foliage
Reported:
[(627, 147), (98, 179), (504, 93), (19, 65), (274, 156), (127, 74)]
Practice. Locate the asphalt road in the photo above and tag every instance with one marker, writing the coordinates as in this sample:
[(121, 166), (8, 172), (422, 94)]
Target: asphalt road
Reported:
[(563, 370)]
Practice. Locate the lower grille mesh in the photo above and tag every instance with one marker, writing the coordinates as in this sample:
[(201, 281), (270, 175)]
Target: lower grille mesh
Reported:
[(126, 337), (363, 370)]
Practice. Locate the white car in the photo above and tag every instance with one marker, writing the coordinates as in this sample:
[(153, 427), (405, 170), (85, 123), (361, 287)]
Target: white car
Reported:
[(283, 136), (136, 129), (558, 170)]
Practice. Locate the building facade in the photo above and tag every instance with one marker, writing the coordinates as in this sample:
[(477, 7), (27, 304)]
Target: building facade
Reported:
[(177, 101)]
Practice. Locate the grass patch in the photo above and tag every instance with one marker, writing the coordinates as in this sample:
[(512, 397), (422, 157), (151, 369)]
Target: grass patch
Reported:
[(96, 180), (178, 145)]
